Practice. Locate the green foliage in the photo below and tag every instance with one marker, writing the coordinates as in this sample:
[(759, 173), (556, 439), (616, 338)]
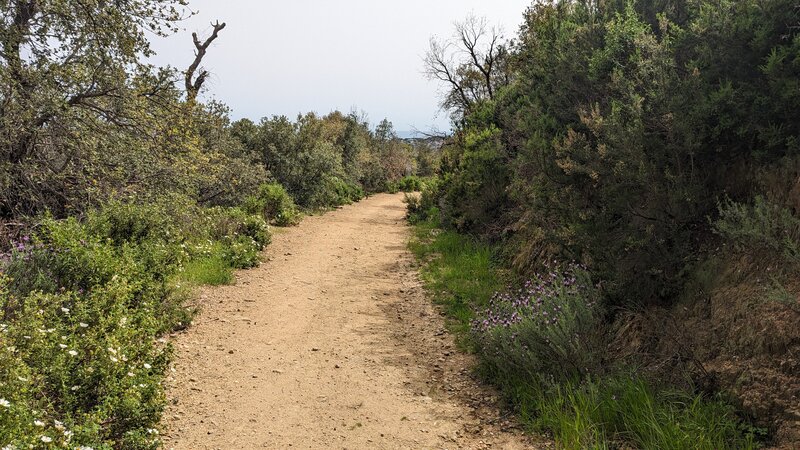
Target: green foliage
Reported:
[(82, 305), (761, 225), (625, 410), (274, 204), (459, 272), (212, 268), (623, 126), (335, 191), (550, 330), (544, 347), (410, 183), (328, 161), (475, 190), (424, 207)]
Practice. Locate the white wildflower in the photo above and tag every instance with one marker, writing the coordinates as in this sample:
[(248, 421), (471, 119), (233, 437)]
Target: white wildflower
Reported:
[(112, 351), (131, 374), (59, 425), (84, 325), (63, 346), (147, 366), (73, 353), (74, 388), (114, 359), (38, 423), (46, 439), (5, 403)]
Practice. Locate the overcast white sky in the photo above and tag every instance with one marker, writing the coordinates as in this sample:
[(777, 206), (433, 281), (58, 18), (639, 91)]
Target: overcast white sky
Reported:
[(290, 56)]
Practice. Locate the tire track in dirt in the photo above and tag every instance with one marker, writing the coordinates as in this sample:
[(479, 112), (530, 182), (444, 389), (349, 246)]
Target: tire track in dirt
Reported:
[(330, 343)]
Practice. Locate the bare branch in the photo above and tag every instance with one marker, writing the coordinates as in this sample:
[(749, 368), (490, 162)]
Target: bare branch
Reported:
[(193, 87), (472, 65)]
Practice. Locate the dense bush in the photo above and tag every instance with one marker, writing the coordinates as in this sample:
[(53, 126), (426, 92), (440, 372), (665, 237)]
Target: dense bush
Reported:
[(424, 207), (635, 138), (328, 161), (274, 204), (625, 124), (82, 305), (410, 183)]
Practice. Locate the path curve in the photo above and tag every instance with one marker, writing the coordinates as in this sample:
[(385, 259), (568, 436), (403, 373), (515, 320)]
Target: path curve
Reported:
[(330, 343)]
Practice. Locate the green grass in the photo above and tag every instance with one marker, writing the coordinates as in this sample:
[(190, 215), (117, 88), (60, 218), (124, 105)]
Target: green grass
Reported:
[(210, 267), (616, 410), (211, 270), (624, 409), (458, 272)]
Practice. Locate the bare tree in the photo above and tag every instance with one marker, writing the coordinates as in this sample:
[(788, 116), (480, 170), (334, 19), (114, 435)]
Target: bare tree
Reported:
[(193, 86), (472, 64)]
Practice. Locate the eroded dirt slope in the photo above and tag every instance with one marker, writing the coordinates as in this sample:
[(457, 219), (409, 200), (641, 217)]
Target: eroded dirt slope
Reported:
[(329, 344)]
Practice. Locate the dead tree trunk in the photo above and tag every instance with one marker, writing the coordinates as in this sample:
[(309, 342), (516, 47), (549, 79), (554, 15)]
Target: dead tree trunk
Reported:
[(193, 84)]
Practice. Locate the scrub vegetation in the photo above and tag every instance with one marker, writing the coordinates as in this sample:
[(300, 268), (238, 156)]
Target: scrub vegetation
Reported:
[(120, 191), (614, 226)]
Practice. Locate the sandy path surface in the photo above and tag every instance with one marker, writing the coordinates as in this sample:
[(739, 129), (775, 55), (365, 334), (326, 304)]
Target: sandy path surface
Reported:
[(329, 344)]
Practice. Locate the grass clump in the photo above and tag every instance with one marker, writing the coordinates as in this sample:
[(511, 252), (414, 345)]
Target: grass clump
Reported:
[(459, 272), (624, 409), (211, 269)]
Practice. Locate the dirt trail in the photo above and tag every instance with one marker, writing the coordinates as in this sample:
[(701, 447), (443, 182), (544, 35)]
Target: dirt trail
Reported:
[(329, 344)]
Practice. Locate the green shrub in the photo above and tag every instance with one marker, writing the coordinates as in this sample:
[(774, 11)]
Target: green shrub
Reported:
[(335, 191), (409, 183), (241, 252), (343, 192), (81, 315), (230, 223), (131, 223), (82, 305), (551, 329), (274, 204), (760, 225), (424, 206)]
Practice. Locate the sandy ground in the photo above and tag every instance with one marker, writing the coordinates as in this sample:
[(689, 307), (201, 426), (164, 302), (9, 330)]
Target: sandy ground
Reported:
[(331, 343)]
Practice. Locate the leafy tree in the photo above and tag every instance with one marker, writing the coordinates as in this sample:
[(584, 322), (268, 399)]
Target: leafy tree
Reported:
[(65, 61)]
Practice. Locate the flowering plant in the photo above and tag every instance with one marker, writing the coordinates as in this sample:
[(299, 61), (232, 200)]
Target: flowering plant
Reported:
[(547, 329)]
